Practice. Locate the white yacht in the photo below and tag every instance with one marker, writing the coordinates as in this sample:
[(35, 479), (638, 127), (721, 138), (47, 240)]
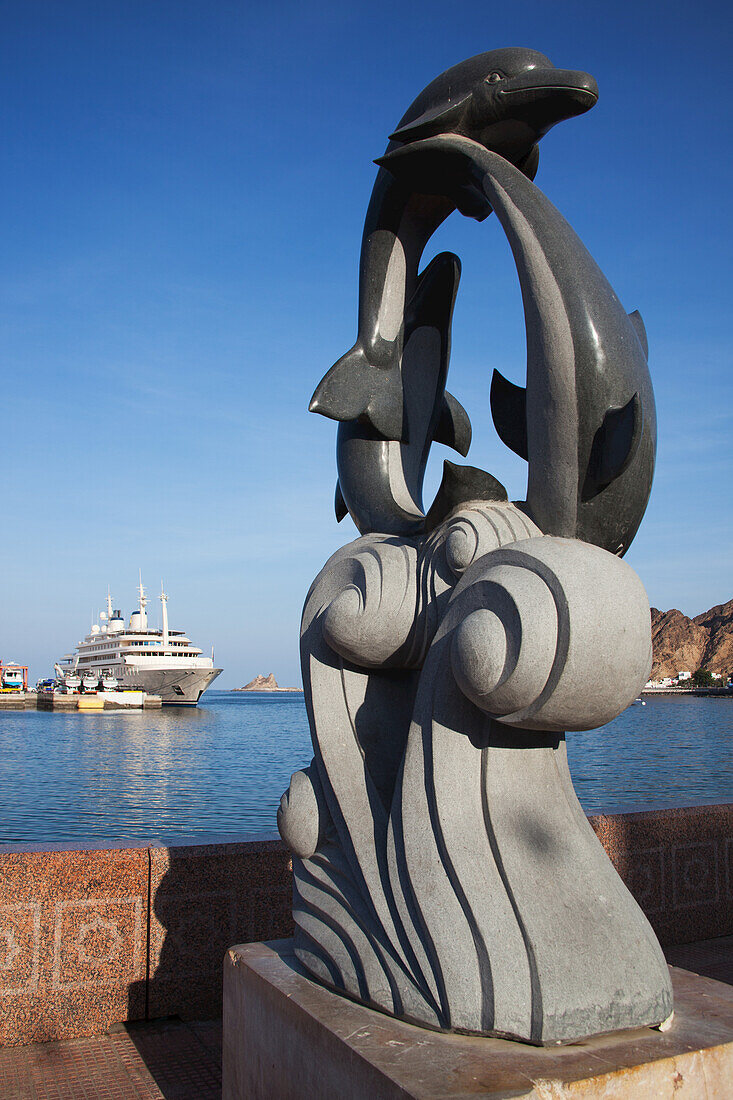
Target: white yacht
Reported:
[(160, 662)]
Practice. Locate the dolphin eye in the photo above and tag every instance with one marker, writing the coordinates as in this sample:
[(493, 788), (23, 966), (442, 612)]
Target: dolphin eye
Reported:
[(494, 78)]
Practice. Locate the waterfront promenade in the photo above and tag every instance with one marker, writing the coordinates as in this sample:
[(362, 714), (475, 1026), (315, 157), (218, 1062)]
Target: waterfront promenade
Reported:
[(112, 956), (181, 1060)]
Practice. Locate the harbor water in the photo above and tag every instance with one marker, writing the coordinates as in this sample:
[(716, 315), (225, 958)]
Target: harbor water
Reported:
[(215, 772)]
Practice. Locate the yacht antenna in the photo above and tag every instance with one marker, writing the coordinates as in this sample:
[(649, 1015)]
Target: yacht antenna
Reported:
[(109, 604), (164, 603)]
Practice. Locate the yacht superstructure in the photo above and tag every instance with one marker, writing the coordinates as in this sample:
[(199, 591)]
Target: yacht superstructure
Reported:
[(160, 662)]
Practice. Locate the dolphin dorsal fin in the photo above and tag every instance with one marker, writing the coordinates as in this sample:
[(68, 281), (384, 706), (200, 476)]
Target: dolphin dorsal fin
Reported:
[(461, 484), (509, 413), (614, 445), (640, 331), (453, 427), (441, 117), (339, 504)]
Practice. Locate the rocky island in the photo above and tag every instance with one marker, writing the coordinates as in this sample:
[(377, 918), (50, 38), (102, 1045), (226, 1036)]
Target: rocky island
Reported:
[(265, 683)]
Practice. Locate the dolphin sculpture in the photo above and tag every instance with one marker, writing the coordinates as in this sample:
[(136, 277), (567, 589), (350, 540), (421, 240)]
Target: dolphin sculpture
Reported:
[(586, 423), (388, 391)]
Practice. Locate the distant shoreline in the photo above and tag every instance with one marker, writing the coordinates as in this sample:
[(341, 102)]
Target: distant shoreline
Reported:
[(719, 692), (268, 691)]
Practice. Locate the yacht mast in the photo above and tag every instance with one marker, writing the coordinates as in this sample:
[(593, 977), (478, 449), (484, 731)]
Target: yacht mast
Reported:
[(143, 604)]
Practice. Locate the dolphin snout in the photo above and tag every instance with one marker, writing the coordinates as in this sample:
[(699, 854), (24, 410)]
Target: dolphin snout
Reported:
[(555, 93)]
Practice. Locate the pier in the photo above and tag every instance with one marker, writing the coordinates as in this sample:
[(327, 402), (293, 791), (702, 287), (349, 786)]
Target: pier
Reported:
[(90, 701)]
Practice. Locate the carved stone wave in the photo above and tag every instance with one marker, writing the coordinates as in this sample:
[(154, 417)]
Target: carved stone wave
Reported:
[(444, 869)]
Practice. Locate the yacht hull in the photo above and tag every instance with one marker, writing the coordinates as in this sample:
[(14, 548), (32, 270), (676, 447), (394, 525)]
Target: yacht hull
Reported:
[(176, 687)]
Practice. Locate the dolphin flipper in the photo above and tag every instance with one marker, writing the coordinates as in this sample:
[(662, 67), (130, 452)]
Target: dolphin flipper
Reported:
[(638, 323), (339, 504), (614, 445), (440, 117), (453, 427), (509, 413)]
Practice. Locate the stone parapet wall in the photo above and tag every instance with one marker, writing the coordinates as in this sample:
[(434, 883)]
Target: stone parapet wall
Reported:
[(678, 864), (92, 937)]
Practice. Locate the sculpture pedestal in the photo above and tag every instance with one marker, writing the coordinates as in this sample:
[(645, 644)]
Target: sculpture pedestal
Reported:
[(286, 1037)]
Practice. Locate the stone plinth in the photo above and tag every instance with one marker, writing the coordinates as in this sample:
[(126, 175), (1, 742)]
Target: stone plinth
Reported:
[(285, 1036)]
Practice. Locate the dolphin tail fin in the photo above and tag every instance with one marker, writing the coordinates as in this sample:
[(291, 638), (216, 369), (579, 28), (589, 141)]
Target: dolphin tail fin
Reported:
[(640, 330), (434, 297), (339, 504), (453, 427), (431, 306), (354, 389), (509, 413), (614, 445), (441, 169), (461, 484)]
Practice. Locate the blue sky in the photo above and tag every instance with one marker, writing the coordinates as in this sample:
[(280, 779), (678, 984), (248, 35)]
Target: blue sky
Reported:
[(183, 191)]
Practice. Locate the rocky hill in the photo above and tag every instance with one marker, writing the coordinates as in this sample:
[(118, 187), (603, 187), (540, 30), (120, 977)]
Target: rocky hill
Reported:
[(703, 642), (264, 683)]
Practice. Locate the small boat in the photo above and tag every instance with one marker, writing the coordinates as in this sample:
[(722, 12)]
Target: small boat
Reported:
[(13, 677), (72, 683), (90, 681), (109, 682)]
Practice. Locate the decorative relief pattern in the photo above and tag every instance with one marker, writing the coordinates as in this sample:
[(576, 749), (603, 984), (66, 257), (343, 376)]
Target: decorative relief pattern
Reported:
[(96, 942), (645, 878), (676, 863), (20, 931), (695, 874)]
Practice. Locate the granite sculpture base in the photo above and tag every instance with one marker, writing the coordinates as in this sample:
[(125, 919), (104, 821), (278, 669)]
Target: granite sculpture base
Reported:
[(287, 1037)]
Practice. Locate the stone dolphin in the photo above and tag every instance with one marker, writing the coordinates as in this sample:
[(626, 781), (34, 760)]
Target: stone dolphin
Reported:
[(586, 422), (506, 100)]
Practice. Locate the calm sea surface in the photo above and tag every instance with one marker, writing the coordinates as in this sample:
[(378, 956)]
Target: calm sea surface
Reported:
[(218, 770)]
